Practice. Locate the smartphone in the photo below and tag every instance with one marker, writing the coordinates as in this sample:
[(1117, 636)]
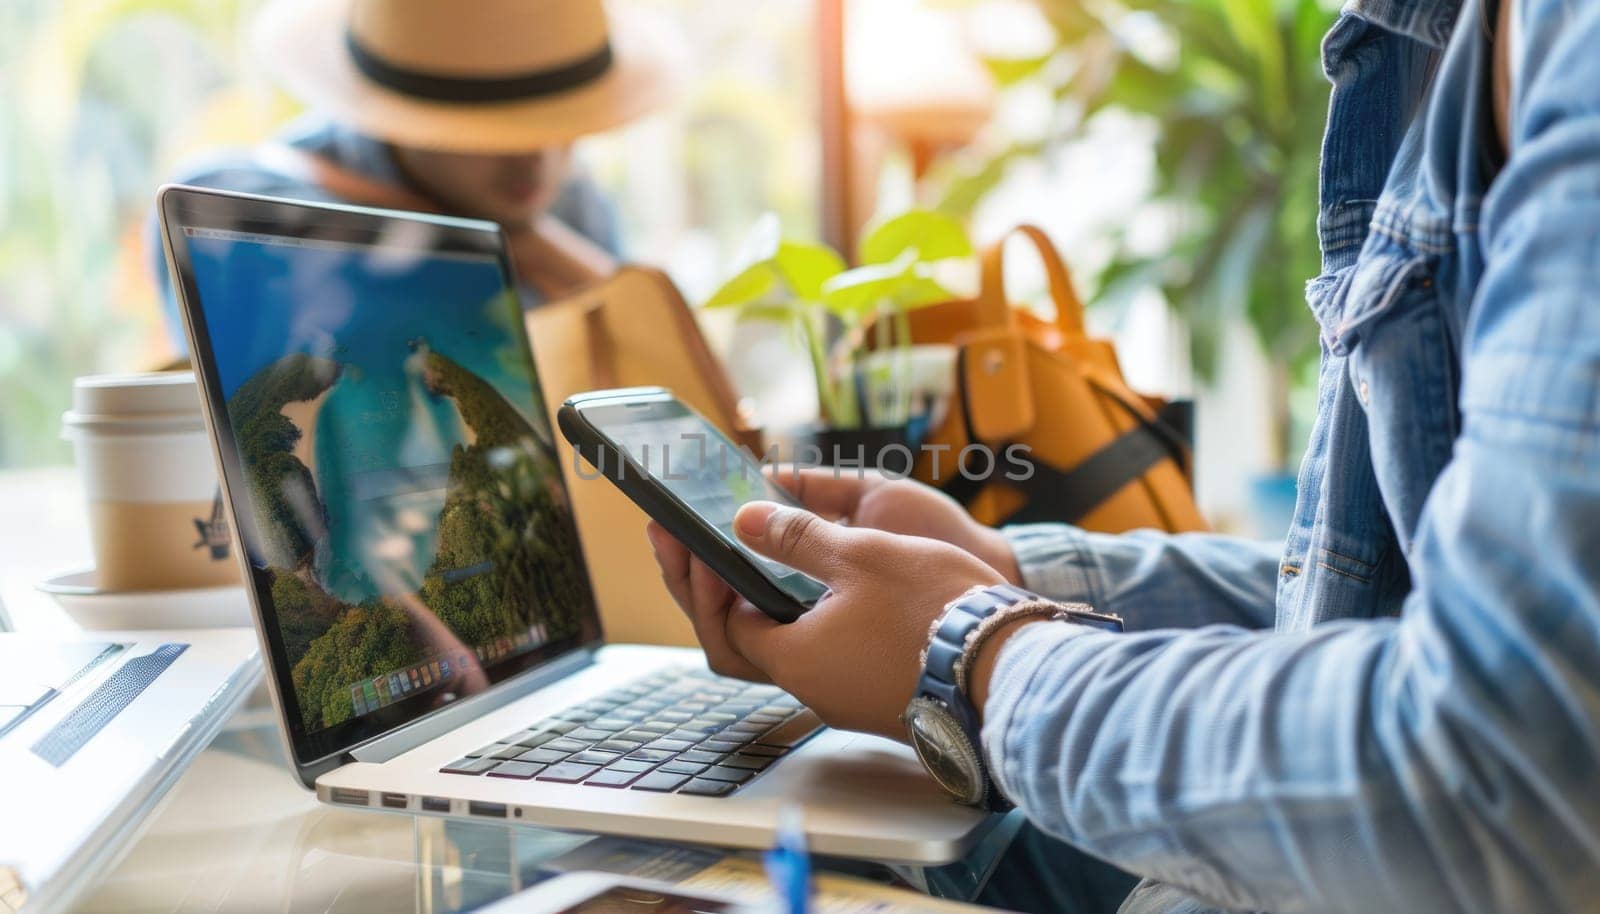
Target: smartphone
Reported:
[(691, 479)]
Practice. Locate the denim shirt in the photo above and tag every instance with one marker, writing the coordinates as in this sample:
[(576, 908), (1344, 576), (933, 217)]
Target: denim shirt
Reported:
[(580, 205), (1397, 708)]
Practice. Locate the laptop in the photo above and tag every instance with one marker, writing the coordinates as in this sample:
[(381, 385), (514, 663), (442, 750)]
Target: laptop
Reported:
[(93, 732), (420, 591)]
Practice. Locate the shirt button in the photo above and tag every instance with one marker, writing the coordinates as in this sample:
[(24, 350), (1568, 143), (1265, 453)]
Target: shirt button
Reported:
[(1364, 393)]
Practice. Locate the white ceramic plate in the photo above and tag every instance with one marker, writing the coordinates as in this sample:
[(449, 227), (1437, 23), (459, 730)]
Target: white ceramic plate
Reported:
[(109, 610)]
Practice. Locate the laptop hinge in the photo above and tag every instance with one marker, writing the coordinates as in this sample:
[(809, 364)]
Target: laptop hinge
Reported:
[(435, 725)]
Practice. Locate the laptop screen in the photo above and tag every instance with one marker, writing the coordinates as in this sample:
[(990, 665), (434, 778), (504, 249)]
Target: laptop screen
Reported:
[(390, 461)]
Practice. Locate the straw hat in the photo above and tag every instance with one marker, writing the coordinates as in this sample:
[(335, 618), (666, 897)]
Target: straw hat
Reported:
[(466, 75)]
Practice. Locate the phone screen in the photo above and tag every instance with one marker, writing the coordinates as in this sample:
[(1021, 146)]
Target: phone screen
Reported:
[(709, 474)]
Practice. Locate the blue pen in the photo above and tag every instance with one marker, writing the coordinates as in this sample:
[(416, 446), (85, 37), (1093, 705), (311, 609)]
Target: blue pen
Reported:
[(789, 865)]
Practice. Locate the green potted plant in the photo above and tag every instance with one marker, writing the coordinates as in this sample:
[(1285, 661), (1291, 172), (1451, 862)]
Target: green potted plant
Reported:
[(864, 397)]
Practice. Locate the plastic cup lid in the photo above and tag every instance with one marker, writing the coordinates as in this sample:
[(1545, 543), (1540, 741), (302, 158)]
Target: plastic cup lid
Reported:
[(166, 398)]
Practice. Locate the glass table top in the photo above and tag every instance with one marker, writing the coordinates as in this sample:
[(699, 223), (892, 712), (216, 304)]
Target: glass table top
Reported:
[(239, 834)]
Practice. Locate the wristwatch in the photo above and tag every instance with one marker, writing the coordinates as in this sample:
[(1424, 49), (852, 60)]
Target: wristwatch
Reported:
[(941, 721)]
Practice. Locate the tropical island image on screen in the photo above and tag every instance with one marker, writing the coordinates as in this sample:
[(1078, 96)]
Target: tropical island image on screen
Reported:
[(393, 488)]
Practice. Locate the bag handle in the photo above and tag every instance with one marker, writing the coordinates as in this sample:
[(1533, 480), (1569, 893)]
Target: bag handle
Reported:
[(994, 308)]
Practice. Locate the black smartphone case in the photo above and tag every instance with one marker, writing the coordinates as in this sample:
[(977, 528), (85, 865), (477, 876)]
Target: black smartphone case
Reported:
[(725, 560)]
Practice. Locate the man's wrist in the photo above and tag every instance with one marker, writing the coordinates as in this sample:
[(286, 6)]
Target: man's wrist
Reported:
[(988, 657), (942, 723)]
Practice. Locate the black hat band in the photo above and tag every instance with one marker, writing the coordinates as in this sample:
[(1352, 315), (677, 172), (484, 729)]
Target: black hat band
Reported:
[(472, 89)]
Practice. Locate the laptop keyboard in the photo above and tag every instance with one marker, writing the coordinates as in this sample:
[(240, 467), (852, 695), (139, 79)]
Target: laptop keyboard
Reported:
[(683, 731)]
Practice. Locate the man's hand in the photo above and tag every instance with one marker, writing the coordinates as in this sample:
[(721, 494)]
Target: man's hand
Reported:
[(897, 506), (854, 658)]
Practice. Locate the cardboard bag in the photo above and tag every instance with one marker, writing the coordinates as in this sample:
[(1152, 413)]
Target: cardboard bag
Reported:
[(633, 330)]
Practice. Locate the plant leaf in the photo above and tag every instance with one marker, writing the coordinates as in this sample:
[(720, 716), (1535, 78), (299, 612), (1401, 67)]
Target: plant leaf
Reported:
[(1255, 24), (904, 284), (804, 267), (931, 235), (755, 283), (920, 291), (1008, 71), (768, 311), (856, 292)]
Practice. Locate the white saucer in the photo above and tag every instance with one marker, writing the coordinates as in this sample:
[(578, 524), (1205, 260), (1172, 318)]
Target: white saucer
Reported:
[(126, 610)]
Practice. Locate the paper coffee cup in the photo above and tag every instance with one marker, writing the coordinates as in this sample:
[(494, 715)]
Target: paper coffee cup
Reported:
[(155, 512)]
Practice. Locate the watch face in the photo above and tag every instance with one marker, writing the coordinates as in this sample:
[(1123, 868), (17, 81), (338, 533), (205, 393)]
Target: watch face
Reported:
[(945, 750)]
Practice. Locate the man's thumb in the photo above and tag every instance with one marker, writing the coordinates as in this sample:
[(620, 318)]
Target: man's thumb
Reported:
[(795, 537)]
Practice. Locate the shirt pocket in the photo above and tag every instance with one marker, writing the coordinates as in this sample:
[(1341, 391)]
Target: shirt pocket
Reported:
[(1400, 362)]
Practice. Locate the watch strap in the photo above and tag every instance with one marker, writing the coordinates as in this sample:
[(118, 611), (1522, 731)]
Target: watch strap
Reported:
[(946, 648), (966, 624)]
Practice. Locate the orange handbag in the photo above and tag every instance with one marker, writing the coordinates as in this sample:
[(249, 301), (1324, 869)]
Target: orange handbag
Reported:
[(1049, 401)]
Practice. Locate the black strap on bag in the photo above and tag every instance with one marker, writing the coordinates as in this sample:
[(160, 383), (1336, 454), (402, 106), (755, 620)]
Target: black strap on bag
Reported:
[(1067, 496)]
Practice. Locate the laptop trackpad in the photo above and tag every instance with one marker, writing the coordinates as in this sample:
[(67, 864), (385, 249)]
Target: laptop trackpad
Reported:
[(838, 767)]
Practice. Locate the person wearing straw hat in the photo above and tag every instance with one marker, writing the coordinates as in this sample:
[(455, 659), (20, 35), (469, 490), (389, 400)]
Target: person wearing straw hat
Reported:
[(425, 105)]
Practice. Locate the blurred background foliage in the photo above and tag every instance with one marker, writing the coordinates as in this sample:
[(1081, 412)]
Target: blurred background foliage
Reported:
[(92, 94), (1236, 94)]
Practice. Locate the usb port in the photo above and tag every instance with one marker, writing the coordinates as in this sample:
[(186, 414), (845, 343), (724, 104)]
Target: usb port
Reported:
[(491, 810), (348, 797), (435, 804), (394, 801)]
